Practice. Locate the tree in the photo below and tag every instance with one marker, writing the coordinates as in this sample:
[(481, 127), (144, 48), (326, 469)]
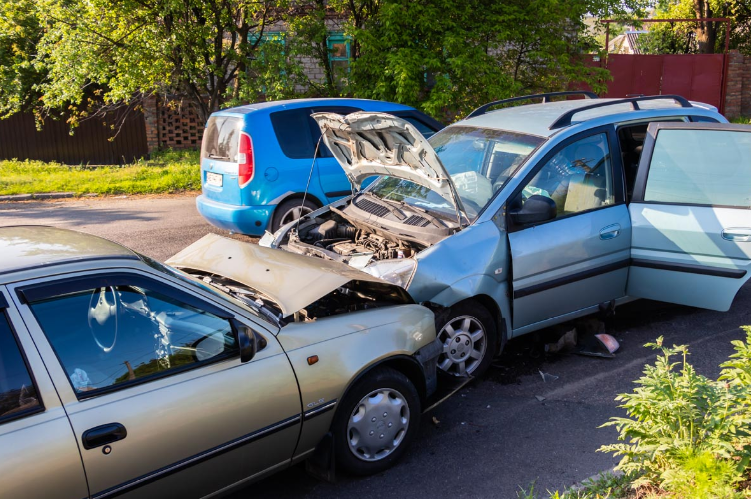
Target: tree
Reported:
[(702, 37), (118, 51), (447, 57), (20, 32)]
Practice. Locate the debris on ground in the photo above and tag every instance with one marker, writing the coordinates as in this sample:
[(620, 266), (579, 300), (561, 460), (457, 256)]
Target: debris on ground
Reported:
[(567, 342), (547, 378), (539, 398)]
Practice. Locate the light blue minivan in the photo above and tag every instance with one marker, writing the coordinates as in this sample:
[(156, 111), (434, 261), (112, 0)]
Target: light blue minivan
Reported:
[(520, 218), (257, 160)]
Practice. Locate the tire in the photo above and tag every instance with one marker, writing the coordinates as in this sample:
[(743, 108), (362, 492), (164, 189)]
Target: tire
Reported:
[(461, 340), (290, 210), (364, 446)]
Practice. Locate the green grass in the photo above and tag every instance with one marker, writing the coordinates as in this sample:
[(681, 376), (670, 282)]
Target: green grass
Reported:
[(169, 171), (741, 120)]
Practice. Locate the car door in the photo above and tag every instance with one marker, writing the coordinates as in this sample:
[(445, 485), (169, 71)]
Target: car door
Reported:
[(151, 378), (578, 258), (690, 216), (38, 452)]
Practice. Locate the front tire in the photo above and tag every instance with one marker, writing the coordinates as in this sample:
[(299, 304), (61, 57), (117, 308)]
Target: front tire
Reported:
[(376, 422), (470, 340)]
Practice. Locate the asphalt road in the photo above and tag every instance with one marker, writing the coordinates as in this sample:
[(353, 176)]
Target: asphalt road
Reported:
[(493, 436)]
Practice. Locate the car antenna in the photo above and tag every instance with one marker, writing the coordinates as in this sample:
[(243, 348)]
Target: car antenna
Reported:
[(307, 186)]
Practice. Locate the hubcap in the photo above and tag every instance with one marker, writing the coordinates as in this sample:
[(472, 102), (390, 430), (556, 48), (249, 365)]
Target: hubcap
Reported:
[(294, 213), (378, 424), (464, 345)]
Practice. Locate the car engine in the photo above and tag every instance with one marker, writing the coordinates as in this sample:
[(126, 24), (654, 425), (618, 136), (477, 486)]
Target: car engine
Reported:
[(343, 241)]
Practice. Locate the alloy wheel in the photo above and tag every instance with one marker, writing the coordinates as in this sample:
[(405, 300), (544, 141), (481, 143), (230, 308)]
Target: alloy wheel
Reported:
[(464, 345)]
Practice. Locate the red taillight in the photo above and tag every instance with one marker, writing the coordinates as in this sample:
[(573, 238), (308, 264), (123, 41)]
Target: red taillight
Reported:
[(245, 160)]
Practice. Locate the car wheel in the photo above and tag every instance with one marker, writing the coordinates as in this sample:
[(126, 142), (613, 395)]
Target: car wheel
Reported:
[(376, 422), (468, 333), (291, 210)]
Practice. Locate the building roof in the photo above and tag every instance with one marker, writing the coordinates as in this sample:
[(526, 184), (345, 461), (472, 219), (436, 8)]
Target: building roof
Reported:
[(30, 246)]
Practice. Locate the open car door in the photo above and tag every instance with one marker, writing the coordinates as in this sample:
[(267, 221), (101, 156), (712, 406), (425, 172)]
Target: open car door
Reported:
[(691, 215)]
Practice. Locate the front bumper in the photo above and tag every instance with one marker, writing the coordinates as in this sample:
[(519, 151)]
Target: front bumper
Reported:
[(250, 220), (427, 356)]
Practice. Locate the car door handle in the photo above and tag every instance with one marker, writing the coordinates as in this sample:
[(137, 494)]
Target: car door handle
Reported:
[(738, 234), (610, 232), (103, 435)]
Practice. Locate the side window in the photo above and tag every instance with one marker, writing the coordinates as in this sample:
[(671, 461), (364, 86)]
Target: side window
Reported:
[(578, 178), (292, 131), (18, 396), (108, 335), (705, 167)]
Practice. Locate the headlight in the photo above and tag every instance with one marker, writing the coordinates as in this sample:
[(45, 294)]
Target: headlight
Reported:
[(397, 272)]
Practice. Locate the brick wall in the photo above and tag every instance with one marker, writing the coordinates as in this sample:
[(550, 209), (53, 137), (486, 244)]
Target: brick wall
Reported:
[(738, 89)]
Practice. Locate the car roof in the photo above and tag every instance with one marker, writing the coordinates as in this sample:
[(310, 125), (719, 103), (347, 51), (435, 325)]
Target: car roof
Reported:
[(371, 105), (29, 246), (535, 119)]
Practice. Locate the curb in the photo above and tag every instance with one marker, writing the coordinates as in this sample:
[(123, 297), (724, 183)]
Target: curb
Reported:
[(41, 195)]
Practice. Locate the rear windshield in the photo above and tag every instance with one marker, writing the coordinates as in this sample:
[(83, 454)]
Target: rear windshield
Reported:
[(220, 139)]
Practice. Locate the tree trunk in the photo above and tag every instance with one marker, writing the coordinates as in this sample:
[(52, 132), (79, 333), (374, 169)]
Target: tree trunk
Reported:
[(706, 32)]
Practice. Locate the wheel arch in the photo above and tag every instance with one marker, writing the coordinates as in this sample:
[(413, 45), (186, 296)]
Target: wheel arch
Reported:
[(490, 304)]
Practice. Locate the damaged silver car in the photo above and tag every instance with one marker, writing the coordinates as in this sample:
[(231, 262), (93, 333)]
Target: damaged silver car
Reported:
[(520, 218)]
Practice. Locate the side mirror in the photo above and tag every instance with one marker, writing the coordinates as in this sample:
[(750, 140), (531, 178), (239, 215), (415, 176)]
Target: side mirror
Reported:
[(247, 340), (535, 209)]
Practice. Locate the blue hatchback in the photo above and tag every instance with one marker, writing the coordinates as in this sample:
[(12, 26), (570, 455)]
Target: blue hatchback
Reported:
[(257, 160)]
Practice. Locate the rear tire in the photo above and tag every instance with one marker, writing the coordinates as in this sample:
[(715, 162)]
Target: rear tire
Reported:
[(376, 422), (291, 210), (470, 339)]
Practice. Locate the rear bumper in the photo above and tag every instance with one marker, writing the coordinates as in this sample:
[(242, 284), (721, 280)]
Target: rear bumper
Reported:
[(427, 356), (250, 220)]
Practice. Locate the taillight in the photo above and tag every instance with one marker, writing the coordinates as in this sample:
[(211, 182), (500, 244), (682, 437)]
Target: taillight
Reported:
[(245, 160)]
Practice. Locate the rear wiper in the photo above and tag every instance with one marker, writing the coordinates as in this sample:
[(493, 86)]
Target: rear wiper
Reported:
[(214, 156)]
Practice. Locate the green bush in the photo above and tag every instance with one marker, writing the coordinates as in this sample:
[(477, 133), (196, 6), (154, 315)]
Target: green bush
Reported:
[(685, 433)]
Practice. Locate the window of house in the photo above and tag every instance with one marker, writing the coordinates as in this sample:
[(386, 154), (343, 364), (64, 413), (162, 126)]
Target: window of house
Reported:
[(339, 54)]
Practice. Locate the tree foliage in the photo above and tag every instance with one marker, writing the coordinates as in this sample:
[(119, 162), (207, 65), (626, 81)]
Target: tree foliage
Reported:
[(700, 37), (444, 56)]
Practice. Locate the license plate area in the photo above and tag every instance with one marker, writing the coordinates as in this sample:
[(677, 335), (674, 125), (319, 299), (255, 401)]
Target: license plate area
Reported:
[(214, 179)]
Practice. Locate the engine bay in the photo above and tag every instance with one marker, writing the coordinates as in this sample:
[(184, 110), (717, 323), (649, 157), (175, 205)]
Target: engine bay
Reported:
[(355, 244)]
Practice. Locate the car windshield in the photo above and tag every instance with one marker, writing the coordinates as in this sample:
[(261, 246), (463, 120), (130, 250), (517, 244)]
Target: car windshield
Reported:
[(479, 161)]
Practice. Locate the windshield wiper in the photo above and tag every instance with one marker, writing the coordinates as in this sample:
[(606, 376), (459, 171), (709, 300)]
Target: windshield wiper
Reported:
[(256, 304), (388, 205)]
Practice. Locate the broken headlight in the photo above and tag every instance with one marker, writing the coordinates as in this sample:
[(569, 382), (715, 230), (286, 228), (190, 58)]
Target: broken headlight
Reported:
[(397, 272)]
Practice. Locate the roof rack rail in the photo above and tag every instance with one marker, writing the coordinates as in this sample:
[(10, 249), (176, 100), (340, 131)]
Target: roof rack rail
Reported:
[(483, 109), (565, 119)]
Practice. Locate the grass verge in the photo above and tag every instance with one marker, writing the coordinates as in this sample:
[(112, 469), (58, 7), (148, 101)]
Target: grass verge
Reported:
[(169, 171)]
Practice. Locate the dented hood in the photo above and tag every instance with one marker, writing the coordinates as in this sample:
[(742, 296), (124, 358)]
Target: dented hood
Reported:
[(367, 144), (292, 281)]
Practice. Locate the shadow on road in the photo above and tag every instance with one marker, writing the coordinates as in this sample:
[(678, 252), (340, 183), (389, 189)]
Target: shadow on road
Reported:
[(69, 213)]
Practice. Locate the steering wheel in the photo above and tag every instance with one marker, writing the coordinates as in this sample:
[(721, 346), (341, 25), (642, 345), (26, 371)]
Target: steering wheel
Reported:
[(103, 311)]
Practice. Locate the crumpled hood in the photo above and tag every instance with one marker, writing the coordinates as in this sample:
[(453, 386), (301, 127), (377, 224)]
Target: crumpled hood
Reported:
[(292, 281), (367, 144)]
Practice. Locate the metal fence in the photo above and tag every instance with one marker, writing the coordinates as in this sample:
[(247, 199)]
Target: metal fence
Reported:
[(89, 144)]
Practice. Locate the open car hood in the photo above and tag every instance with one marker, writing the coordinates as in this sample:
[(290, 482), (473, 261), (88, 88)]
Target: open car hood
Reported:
[(367, 144), (290, 280)]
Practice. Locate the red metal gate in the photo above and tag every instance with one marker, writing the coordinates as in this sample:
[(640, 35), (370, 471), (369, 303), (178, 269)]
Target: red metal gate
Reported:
[(697, 77)]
